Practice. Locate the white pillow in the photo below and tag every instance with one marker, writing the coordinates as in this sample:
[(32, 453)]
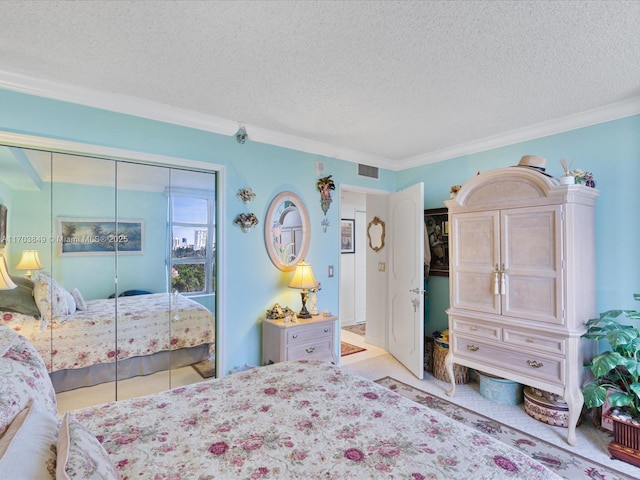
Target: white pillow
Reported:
[(77, 296), (80, 454), (71, 302), (27, 449), (50, 298)]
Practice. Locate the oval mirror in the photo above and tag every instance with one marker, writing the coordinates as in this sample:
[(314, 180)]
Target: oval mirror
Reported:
[(286, 231), (375, 232)]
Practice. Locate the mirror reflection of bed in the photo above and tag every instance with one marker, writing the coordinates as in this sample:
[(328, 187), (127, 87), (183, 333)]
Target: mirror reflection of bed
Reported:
[(97, 220)]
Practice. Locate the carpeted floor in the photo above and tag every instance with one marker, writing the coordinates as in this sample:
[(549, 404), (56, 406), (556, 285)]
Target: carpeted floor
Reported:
[(348, 349), (564, 463), (358, 329)]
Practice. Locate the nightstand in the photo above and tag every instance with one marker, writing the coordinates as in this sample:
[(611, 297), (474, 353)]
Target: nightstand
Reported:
[(310, 339)]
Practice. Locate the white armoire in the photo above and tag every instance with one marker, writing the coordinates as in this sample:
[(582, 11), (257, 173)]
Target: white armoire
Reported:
[(522, 281)]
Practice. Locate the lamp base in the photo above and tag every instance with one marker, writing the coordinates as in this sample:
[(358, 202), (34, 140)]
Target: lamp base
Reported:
[(304, 313)]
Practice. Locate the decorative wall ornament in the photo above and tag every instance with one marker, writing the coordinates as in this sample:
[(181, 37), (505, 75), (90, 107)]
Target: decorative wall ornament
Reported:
[(325, 223), (246, 195), (324, 186), (376, 233), (246, 221)]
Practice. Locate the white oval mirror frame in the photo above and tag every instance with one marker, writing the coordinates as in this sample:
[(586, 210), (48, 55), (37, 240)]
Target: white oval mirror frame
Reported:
[(286, 231), (375, 232)]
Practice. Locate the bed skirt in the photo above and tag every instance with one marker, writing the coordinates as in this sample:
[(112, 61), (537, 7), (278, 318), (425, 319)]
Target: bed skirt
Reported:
[(64, 380)]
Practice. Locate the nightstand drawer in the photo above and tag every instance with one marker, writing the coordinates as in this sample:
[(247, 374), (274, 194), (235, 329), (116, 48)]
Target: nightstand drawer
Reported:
[(309, 333), (310, 339), (312, 351)]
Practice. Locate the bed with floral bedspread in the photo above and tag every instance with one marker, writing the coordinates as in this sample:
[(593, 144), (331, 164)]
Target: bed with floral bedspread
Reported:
[(145, 324), (295, 420)]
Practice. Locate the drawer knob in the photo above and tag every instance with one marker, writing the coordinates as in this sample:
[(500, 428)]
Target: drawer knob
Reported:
[(474, 328), (530, 340), (295, 335), (473, 348), (535, 364), (326, 330), (310, 349)]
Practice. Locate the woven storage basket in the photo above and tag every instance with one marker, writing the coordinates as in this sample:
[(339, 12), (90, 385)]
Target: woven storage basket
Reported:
[(460, 373), (428, 354)]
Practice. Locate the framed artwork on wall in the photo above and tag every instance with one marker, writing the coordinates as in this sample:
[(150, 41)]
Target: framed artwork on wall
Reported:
[(97, 236), (347, 238), (437, 223)]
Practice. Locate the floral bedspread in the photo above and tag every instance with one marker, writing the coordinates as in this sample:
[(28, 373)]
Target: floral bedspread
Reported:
[(295, 420), (146, 324)]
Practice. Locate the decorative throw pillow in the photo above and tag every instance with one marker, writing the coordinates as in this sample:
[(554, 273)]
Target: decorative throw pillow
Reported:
[(80, 454), (50, 298), (71, 307), (77, 296), (19, 299), (28, 447)]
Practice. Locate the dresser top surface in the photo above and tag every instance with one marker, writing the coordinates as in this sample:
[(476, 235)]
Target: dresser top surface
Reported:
[(314, 320)]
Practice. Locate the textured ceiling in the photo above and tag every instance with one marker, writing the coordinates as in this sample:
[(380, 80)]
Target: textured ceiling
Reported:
[(394, 80)]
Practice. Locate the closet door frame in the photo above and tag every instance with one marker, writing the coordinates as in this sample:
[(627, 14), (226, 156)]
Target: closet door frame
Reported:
[(110, 153)]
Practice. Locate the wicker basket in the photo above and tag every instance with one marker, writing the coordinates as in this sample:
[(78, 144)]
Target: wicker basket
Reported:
[(460, 373), (428, 354)]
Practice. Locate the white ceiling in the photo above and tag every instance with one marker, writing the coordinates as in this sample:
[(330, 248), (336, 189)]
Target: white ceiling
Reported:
[(388, 83)]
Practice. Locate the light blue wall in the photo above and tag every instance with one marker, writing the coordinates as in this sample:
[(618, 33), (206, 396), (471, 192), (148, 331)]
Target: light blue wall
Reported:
[(253, 283), (611, 151), (93, 275)]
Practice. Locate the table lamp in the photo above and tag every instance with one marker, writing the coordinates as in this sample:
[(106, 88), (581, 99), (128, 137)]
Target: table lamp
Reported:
[(29, 260), (303, 279), (5, 279)]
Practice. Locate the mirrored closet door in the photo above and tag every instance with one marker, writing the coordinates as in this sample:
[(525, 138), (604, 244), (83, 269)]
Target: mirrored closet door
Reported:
[(124, 288)]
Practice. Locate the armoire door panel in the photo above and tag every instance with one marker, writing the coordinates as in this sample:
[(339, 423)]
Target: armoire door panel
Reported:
[(531, 249), (478, 233), (474, 264), (534, 298), (474, 291)]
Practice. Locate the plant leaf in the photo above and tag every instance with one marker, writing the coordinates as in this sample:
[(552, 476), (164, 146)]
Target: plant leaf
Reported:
[(594, 394)]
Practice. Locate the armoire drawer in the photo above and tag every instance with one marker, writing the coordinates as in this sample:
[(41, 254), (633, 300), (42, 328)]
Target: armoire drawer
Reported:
[(537, 366), (477, 329), (536, 341)]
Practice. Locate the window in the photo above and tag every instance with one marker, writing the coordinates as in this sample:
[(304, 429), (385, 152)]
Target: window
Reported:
[(192, 218)]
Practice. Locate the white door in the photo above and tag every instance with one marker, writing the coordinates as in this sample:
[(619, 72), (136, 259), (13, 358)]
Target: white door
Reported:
[(406, 278)]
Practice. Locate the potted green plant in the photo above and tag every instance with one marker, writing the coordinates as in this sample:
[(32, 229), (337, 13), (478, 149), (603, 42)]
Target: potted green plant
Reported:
[(617, 377)]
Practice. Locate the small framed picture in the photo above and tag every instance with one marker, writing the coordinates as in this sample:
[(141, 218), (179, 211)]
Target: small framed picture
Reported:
[(437, 222), (347, 239)]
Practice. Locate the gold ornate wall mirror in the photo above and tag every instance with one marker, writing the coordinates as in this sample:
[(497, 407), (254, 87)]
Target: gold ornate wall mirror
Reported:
[(286, 231), (375, 233)]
